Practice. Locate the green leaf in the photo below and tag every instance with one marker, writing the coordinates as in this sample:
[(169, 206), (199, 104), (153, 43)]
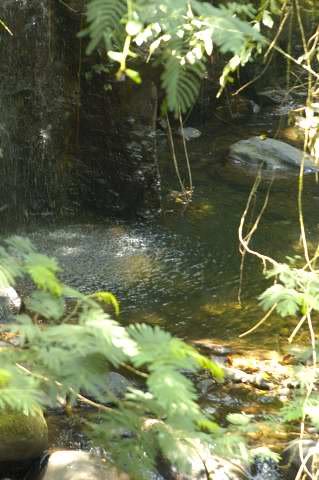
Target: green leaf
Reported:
[(47, 305), (108, 298), (288, 300), (133, 75)]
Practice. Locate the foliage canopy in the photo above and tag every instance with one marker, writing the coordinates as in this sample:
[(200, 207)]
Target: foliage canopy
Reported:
[(181, 36)]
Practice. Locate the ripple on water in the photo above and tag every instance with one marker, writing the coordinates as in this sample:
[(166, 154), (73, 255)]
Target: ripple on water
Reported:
[(142, 265)]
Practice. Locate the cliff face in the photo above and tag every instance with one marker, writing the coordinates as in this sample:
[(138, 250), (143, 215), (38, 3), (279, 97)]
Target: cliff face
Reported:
[(66, 141)]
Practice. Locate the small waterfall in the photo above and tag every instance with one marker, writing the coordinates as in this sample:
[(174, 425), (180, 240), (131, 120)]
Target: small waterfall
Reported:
[(66, 143)]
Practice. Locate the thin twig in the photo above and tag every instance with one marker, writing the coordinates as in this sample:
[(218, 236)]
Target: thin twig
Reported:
[(171, 142), (265, 317), (5, 27), (297, 328), (186, 153), (80, 397), (248, 238)]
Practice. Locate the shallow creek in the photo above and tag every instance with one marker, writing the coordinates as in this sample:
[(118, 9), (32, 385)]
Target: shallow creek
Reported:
[(181, 272)]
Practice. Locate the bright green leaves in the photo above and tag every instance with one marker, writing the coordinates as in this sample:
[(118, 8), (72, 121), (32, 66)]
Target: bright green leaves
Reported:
[(288, 301), (5, 377), (18, 391), (180, 35), (107, 298), (296, 290), (43, 272), (181, 83), (104, 20), (207, 364), (45, 304), (157, 347), (69, 343)]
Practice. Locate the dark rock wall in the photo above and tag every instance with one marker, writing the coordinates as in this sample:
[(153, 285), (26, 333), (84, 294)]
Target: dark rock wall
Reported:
[(38, 104), (67, 143), (117, 132)]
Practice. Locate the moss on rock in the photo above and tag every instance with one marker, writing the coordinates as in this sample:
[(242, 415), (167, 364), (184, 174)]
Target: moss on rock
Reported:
[(22, 437)]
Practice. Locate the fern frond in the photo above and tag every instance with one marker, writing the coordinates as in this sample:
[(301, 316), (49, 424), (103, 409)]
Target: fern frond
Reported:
[(104, 19), (181, 83)]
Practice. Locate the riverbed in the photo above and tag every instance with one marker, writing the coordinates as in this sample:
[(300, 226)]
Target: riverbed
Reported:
[(181, 270)]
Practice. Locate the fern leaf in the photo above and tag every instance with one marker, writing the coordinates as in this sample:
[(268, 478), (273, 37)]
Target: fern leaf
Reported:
[(181, 83), (104, 18)]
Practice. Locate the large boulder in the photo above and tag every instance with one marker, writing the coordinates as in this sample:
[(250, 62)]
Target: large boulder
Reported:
[(270, 154), (275, 161), (22, 437)]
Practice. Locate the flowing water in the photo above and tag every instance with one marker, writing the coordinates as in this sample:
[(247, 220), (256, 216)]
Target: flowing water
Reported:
[(182, 271)]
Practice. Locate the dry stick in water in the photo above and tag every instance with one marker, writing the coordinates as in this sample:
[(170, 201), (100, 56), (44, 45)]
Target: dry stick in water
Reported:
[(186, 154), (249, 235), (171, 142), (265, 317)]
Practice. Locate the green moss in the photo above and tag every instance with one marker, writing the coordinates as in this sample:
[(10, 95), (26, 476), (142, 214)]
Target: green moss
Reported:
[(22, 437)]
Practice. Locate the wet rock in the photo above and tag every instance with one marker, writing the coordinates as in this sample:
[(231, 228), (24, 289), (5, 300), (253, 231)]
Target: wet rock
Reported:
[(273, 96), (237, 106), (22, 437), (213, 347), (117, 384), (189, 133), (264, 469), (204, 386), (301, 455), (115, 387), (270, 154), (79, 465), (203, 465), (256, 380), (10, 303)]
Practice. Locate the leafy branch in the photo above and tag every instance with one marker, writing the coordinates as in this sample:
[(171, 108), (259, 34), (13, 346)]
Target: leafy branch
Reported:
[(61, 355)]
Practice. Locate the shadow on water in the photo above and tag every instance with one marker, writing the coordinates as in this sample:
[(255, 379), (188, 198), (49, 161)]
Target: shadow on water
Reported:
[(182, 271)]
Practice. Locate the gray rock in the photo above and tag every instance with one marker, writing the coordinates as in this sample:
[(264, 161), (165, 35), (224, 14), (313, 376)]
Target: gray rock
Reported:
[(274, 96), (265, 469), (10, 303), (79, 465), (189, 133), (117, 384), (206, 465), (272, 154)]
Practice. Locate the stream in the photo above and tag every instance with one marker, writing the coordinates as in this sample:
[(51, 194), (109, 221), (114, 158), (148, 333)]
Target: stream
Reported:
[(182, 270)]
